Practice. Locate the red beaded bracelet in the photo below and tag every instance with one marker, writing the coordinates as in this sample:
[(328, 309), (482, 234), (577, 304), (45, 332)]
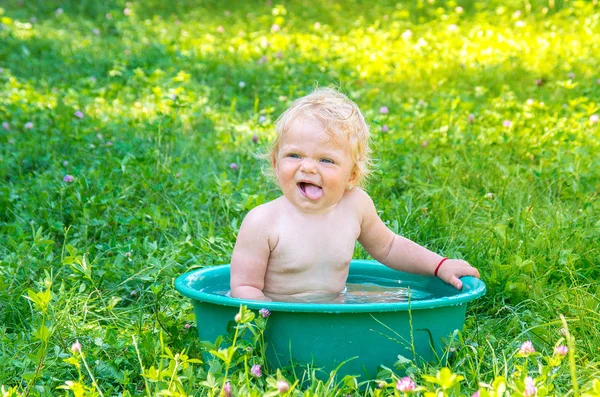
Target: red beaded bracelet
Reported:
[(438, 267)]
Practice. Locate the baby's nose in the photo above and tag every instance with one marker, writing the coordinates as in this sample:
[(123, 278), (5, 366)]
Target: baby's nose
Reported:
[(309, 166)]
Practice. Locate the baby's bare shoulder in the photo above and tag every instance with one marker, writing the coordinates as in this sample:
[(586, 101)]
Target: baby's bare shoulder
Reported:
[(262, 213), (357, 197), (261, 222), (360, 203)]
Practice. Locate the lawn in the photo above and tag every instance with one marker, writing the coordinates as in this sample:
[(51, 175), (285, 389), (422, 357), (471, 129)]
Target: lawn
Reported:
[(130, 144)]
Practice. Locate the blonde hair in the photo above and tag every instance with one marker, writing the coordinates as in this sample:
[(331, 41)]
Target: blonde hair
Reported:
[(340, 117)]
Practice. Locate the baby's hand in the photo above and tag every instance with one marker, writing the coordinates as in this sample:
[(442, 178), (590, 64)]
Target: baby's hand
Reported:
[(452, 269)]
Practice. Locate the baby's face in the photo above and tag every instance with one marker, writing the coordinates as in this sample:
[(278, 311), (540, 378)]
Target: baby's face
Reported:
[(313, 168)]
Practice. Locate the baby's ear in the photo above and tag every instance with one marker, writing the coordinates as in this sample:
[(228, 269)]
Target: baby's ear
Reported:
[(353, 181), (274, 162)]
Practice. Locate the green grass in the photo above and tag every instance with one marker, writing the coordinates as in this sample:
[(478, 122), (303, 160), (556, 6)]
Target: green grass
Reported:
[(153, 195)]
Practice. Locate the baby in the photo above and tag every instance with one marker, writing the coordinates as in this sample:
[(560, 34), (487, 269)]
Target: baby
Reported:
[(298, 247)]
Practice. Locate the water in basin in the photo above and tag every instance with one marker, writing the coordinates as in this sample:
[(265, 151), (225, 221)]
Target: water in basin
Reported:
[(362, 289)]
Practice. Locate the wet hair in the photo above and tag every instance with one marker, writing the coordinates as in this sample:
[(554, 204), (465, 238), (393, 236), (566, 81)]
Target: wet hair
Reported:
[(341, 118)]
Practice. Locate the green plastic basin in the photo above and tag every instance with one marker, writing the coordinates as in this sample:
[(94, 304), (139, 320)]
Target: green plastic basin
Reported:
[(328, 334)]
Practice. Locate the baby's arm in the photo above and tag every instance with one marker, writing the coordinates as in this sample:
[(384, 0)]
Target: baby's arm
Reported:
[(250, 257), (403, 254)]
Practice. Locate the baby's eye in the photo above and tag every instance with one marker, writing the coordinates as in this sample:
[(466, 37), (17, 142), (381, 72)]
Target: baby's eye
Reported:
[(327, 161), (293, 155)]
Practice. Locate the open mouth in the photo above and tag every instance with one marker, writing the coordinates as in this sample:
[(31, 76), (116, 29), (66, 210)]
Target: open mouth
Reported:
[(311, 191)]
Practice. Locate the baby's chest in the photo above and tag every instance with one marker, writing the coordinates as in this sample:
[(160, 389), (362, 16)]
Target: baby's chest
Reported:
[(315, 244)]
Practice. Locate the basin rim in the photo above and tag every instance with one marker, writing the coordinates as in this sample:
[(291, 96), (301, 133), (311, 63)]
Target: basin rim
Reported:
[(473, 288)]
